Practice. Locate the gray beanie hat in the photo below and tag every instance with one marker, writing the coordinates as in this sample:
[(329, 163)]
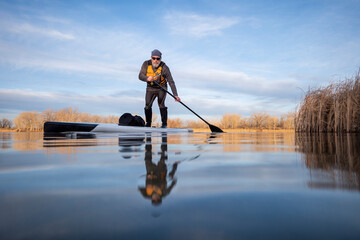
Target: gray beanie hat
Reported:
[(156, 52)]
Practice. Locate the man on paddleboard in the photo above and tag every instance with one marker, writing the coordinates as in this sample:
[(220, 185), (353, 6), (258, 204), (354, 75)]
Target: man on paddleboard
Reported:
[(156, 70)]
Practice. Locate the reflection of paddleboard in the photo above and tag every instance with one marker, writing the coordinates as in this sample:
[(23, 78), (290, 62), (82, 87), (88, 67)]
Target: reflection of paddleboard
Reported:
[(104, 127)]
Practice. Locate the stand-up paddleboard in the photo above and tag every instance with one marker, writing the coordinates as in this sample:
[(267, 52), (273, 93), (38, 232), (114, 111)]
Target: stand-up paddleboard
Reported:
[(61, 127)]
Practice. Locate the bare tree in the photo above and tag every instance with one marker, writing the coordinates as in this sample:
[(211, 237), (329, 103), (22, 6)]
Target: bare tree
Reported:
[(68, 115), (258, 120), (85, 117), (231, 121), (29, 121), (49, 115), (5, 123), (97, 119), (272, 122), (289, 121)]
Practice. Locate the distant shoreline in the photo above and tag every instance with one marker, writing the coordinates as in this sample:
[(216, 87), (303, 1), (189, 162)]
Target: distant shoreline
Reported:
[(195, 130), (244, 130)]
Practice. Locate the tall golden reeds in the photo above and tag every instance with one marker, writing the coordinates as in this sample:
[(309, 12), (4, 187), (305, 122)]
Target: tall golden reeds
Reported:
[(334, 108)]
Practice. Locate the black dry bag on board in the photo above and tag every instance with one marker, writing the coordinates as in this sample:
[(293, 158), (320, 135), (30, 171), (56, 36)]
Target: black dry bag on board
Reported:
[(129, 120)]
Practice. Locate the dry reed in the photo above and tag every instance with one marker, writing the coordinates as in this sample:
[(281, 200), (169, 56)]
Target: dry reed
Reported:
[(334, 108)]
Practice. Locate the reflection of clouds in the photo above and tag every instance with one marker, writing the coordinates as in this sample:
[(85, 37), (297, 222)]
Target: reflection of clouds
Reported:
[(38, 166), (109, 191), (27, 169), (227, 172)]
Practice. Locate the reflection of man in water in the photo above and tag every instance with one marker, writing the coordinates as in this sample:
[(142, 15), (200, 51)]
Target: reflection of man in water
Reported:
[(156, 174)]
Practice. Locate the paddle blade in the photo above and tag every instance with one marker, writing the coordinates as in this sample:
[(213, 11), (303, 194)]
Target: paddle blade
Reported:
[(215, 128)]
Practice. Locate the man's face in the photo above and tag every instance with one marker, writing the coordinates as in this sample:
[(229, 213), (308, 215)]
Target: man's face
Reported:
[(155, 60)]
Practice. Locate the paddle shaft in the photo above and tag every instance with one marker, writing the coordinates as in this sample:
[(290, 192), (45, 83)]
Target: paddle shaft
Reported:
[(182, 103)]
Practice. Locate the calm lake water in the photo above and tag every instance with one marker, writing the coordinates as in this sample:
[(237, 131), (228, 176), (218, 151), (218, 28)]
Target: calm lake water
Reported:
[(179, 186)]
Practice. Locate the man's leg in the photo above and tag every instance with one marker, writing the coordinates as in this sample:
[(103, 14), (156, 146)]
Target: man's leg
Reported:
[(149, 99), (163, 108)]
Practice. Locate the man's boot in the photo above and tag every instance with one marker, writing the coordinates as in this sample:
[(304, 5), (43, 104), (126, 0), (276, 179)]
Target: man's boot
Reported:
[(148, 116), (164, 113)]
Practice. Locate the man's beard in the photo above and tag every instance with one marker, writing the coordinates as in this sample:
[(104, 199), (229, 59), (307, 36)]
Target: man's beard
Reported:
[(155, 65)]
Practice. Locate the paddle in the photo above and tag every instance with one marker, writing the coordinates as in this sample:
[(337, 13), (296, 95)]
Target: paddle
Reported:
[(212, 127)]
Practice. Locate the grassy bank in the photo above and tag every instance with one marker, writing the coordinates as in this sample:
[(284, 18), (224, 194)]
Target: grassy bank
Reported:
[(8, 130)]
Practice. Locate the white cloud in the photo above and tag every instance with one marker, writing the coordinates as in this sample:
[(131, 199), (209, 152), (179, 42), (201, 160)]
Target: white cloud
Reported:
[(191, 24), (35, 59), (21, 100), (29, 43), (94, 51), (26, 28), (53, 33), (238, 82)]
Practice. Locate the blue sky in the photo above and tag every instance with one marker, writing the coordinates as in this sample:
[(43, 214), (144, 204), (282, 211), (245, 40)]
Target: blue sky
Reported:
[(225, 56)]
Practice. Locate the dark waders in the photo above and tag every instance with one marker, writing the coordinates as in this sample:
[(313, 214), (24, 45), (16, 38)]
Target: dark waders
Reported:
[(151, 94)]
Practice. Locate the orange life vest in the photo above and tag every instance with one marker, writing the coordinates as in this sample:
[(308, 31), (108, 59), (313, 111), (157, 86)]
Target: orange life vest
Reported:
[(157, 74), (150, 189)]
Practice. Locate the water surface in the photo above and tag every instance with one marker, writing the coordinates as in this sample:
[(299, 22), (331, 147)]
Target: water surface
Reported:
[(179, 186)]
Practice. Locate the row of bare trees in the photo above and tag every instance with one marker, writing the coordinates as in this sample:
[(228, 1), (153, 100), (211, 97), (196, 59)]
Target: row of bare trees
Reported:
[(258, 120), (34, 121), (334, 108), (236, 121)]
